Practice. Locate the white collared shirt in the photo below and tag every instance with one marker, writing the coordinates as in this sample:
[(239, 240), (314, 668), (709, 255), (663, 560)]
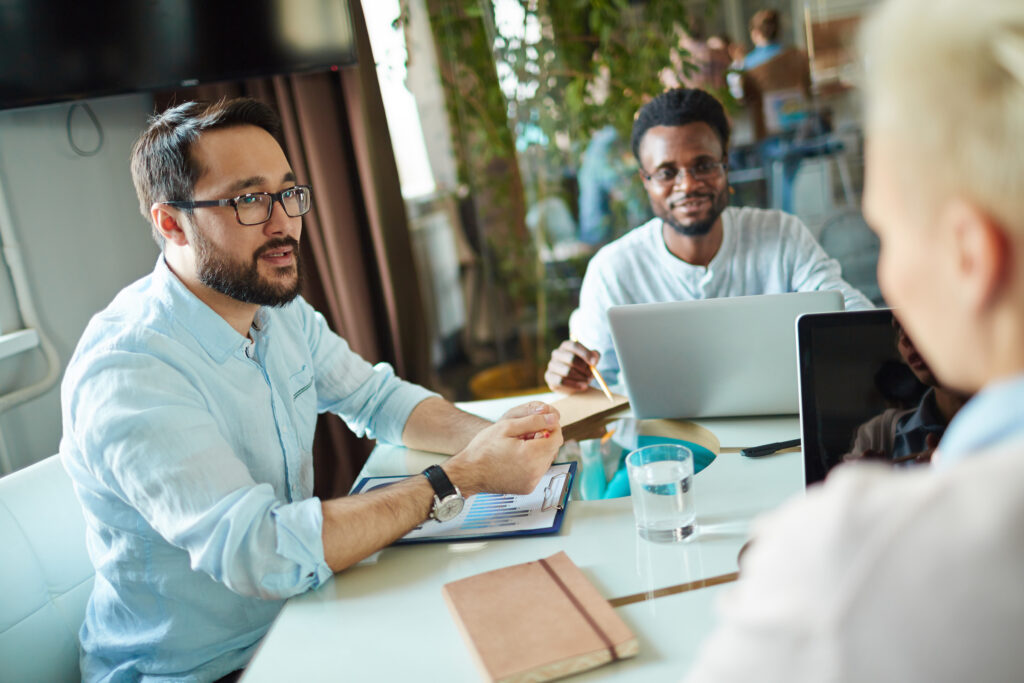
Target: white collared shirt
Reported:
[(763, 252)]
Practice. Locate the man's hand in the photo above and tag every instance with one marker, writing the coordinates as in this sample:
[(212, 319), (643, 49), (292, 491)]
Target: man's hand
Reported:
[(569, 368), (509, 456), (527, 409), (531, 408)]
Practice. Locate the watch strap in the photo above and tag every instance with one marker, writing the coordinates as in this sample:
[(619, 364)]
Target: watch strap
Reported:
[(442, 485)]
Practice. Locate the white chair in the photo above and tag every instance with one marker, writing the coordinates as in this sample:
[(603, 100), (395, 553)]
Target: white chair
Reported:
[(45, 576)]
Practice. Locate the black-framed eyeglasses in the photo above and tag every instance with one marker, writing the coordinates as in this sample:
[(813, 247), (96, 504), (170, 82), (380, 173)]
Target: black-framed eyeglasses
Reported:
[(255, 208), (703, 172)]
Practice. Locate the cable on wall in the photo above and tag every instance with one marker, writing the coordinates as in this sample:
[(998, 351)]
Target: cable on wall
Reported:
[(95, 122)]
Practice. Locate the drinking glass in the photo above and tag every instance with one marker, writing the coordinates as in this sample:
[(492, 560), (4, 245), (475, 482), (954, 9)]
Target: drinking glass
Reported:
[(661, 485)]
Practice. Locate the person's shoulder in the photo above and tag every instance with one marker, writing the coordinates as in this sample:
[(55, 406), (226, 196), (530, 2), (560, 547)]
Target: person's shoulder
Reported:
[(137, 311), (864, 514), (142, 321), (757, 231), (998, 468), (804, 552), (747, 219), (849, 500), (636, 242), (878, 430), (955, 523), (890, 418), (875, 553)]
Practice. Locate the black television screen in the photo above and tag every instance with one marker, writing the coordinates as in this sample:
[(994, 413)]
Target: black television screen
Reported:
[(53, 50)]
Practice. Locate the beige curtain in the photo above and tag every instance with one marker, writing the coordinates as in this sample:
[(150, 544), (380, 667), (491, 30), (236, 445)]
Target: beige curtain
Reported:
[(356, 248)]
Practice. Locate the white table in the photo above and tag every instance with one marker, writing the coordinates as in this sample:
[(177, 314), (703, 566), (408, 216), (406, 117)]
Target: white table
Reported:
[(385, 620)]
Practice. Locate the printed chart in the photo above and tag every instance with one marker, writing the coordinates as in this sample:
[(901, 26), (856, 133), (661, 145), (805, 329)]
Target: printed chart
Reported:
[(492, 514)]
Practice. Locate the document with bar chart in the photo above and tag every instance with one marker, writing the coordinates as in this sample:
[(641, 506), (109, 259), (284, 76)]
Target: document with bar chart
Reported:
[(492, 514)]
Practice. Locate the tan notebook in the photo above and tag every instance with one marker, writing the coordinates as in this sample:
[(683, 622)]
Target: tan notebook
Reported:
[(584, 415), (537, 621)]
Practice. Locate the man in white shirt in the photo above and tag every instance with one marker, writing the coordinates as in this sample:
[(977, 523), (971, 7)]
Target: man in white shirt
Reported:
[(695, 247), (882, 575)]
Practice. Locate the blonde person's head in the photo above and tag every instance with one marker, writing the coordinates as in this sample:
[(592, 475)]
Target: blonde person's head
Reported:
[(945, 78)]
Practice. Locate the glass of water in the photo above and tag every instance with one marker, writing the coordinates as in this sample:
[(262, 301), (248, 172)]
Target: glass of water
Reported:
[(661, 485)]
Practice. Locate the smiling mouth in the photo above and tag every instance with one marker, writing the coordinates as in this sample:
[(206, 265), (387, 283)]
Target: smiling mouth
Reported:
[(689, 203)]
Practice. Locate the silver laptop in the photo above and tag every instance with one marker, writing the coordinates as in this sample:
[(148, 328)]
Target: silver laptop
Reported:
[(713, 357)]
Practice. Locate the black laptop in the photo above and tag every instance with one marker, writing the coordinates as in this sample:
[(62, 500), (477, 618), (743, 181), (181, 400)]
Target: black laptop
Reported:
[(850, 371)]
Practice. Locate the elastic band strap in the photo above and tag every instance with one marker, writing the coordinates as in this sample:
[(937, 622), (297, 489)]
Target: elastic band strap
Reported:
[(579, 607)]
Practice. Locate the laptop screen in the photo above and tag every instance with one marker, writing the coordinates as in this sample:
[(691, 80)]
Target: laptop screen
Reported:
[(859, 395)]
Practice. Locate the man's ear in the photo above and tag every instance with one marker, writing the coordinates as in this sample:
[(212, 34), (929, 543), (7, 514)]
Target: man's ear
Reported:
[(168, 222), (984, 253), (643, 178)]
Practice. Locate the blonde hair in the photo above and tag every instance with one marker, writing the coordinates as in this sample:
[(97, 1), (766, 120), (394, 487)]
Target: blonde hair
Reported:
[(946, 77)]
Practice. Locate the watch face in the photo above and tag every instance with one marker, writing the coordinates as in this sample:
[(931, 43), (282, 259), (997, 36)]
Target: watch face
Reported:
[(449, 508)]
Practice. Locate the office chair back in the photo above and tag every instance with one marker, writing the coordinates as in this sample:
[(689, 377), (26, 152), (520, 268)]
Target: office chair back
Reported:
[(46, 574)]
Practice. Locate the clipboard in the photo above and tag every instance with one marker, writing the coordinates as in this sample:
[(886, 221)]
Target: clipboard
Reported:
[(495, 515)]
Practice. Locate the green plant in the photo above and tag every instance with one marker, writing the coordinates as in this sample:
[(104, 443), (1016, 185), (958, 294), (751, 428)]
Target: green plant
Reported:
[(528, 82)]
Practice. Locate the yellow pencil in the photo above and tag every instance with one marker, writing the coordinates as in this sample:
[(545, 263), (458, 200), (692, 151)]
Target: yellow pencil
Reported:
[(597, 376)]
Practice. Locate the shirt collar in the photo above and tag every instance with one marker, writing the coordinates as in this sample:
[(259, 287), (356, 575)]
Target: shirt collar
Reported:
[(995, 414), (724, 252), (926, 416), (213, 333)]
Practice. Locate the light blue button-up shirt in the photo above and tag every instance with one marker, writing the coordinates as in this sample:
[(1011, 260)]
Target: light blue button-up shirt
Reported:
[(190, 448), (995, 415)]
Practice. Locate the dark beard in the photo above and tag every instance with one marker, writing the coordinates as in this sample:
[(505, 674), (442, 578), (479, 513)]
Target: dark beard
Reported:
[(718, 203), (243, 282)]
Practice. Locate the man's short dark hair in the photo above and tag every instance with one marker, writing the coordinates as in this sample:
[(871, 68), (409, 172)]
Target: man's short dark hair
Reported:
[(163, 167), (679, 107), (766, 22)]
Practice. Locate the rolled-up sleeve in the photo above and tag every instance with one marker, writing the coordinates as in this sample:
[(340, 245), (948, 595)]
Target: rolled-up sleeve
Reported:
[(371, 399)]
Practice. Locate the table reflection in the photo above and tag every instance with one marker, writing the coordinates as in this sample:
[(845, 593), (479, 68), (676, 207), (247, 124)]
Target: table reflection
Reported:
[(601, 470)]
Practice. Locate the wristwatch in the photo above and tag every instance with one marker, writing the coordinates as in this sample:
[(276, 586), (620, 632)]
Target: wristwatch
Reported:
[(448, 500)]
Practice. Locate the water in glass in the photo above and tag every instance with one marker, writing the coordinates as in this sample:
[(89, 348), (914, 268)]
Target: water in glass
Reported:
[(663, 500)]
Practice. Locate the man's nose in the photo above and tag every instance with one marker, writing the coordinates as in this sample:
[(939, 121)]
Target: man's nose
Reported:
[(685, 180), (278, 222)]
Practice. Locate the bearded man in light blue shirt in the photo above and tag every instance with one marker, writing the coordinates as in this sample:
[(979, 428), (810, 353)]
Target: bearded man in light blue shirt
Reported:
[(189, 408)]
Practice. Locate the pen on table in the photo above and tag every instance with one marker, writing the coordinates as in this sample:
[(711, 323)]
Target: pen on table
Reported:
[(768, 448), (597, 376)]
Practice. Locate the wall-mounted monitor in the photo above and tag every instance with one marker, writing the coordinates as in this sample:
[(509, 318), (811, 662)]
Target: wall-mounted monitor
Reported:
[(54, 50)]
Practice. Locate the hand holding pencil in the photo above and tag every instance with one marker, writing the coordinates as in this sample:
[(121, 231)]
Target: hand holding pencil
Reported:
[(572, 367)]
